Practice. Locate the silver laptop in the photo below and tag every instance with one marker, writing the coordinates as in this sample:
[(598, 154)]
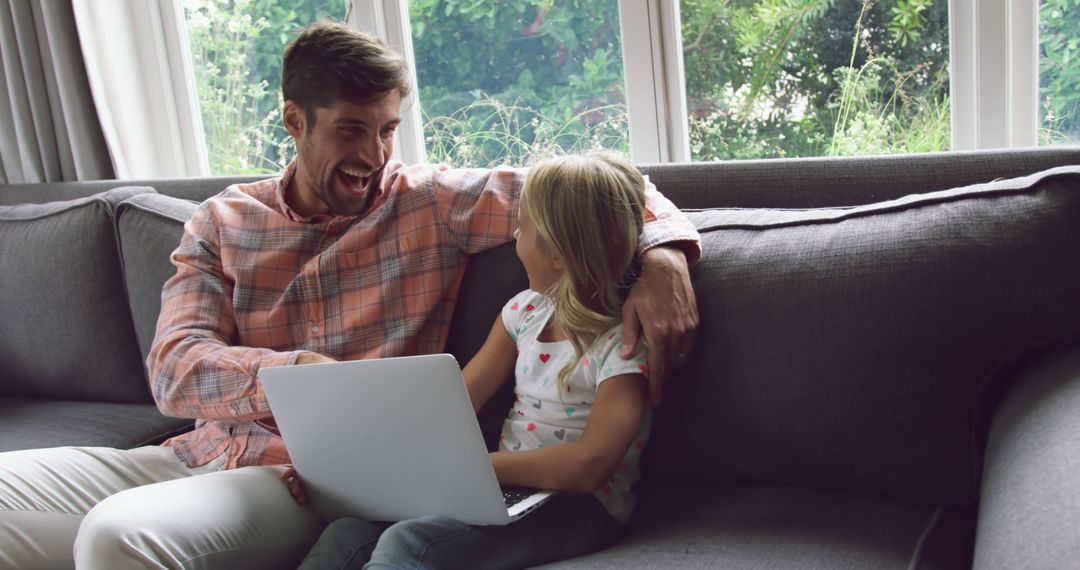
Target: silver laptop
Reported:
[(390, 439)]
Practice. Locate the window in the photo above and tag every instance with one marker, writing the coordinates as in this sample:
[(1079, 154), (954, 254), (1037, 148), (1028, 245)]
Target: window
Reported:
[(517, 80), (236, 48), (790, 78), (514, 81), (1059, 72)]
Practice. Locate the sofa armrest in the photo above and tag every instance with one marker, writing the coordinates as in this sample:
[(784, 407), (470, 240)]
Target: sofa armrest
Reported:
[(1029, 511)]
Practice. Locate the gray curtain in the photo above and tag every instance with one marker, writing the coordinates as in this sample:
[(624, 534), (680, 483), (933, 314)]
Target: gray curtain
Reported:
[(49, 129)]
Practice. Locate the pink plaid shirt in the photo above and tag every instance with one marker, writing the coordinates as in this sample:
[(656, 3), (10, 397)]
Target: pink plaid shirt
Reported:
[(257, 285)]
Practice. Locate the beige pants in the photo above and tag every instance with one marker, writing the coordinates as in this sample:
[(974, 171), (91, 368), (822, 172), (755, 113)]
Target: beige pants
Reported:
[(101, 508)]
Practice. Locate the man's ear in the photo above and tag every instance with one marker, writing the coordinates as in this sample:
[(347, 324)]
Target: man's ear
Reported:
[(294, 118)]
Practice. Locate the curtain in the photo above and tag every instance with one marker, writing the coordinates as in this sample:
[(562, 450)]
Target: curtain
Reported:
[(140, 71), (49, 130)]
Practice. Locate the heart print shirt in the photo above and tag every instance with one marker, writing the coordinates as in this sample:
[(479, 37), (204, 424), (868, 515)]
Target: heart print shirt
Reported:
[(541, 418)]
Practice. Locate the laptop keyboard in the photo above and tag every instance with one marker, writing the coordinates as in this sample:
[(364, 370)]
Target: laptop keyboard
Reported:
[(514, 495)]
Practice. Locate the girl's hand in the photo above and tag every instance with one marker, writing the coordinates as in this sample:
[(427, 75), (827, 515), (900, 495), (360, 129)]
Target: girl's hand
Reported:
[(292, 481), (491, 365), (586, 465)]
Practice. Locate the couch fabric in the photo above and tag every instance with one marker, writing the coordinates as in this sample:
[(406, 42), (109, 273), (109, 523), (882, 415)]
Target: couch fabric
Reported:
[(1029, 502), (78, 326), (149, 228), (70, 368), (861, 322), (783, 527), (856, 341)]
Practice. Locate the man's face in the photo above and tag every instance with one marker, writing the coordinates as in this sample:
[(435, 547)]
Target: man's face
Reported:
[(341, 157)]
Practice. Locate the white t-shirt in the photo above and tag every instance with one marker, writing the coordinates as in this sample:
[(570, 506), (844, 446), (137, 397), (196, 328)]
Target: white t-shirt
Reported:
[(540, 418)]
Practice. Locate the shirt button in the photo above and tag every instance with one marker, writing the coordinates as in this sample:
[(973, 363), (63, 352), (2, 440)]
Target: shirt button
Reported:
[(315, 329)]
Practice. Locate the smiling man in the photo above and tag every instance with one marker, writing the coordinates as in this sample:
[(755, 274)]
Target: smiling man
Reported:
[(346, 255), (342, 151)]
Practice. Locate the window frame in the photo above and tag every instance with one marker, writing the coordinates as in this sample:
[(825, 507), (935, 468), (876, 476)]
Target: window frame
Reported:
[(655, 91), (994, 84), (389, 20), (994, 73)]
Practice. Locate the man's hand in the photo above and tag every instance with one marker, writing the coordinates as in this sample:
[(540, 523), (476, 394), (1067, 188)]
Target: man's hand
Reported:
[(662, 305), (313, 358), (292, 481)]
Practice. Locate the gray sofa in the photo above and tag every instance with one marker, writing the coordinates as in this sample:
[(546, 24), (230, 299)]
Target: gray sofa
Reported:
[(887, 373)]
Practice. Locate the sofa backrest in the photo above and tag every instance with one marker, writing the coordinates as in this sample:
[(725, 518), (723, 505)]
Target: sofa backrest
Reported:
[(844, 181), (788, 183), (854, 348), (149, 227), (66, 331)]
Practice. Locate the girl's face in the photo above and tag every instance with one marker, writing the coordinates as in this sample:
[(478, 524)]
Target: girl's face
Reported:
[(543, 268)]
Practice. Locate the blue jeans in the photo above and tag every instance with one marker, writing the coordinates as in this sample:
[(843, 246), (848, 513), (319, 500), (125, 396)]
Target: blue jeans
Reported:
[(566, 526)]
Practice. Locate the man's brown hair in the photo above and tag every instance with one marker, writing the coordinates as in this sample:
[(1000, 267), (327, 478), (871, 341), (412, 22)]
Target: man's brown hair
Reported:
[(329, 61)]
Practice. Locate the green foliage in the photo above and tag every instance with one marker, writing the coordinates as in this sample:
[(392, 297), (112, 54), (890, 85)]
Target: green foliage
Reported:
[(877, 115), (506, 82), (513, 81), (777, 78), (236, 52), (487, 133), (1059, 73), (908, 20)]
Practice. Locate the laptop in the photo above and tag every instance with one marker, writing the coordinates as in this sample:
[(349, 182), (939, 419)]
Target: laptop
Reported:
[(390, 439)]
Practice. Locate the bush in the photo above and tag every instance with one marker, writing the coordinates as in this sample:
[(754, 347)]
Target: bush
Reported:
[(514, 81)]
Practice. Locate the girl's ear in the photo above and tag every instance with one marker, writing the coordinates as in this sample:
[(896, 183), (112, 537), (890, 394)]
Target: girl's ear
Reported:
[(293, 117), (557, 262)]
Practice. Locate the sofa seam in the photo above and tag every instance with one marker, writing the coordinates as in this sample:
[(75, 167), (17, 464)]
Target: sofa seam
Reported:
[(138, 205), (917, 551), (76, 204), (984, 412), (862, 211)]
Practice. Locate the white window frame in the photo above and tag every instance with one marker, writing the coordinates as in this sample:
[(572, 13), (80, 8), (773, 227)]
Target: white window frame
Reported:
[(655, 89), (994, 74), (389, 20)]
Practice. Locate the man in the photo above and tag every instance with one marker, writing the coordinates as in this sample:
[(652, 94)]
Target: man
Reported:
[(345, 256)]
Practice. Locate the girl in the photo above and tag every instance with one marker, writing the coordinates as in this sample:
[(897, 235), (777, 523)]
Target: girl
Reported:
[(580, 419)]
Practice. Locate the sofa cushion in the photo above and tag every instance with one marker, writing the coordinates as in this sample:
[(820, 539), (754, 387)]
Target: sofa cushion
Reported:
[(30, 423), (149, 226), (66, 330), (762, 527), (847, 348), (1029, 508)]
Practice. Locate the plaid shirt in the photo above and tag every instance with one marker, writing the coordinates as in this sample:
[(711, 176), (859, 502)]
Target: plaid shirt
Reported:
[(257, 285)]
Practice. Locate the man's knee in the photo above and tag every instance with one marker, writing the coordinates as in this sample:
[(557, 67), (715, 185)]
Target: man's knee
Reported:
[(111, 537)]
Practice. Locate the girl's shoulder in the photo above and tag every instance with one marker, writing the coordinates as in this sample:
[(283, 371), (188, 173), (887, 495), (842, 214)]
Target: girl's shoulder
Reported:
[(605, 353), (608, 342), (523, 310), (527, 300)]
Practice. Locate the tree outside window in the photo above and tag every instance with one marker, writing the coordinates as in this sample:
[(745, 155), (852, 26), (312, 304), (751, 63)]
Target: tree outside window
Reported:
[(518, 80), (1059, 72), (236, 48), (790, 78)]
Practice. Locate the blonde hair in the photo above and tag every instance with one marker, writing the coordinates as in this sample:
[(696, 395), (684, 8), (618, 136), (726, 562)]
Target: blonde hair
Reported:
[(329, 61), (588, 209)]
